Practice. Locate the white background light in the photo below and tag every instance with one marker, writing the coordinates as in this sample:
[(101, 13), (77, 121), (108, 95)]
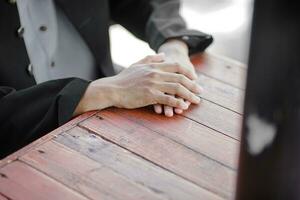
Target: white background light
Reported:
[(229, 21)]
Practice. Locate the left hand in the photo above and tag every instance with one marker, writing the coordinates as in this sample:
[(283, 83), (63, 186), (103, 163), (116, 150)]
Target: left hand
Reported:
[(175, 51)]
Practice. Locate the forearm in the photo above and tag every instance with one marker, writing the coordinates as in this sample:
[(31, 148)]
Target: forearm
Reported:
[(98, 96)]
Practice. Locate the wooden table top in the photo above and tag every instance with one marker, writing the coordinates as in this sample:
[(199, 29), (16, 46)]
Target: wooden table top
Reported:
[(137, 154)]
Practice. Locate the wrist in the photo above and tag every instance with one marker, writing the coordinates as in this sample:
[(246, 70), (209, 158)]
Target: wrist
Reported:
[(174, 46), (98, 95)]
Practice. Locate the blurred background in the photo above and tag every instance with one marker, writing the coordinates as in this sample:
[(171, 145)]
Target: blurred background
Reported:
[(229, 21)]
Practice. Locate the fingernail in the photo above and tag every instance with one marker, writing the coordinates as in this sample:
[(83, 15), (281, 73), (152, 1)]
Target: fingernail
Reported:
[(195, 76), (184, 106), (196, 99), (200, 89), (178, 111), (169, 114)]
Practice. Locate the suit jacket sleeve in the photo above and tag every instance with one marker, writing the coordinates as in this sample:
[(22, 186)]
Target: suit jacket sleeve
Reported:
[(155, 21), (27, 114)]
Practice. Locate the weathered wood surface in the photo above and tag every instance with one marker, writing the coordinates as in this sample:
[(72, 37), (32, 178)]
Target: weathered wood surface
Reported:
[(135, 154)]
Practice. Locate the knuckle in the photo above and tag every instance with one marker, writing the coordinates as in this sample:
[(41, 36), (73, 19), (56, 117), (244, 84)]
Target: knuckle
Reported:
[(156, 75), (169, 100), (148, 92), (190, 95), (175, 64), (149, 73), (190, 71), (178, 87), (151, 84), (172, 64), (152, 66), (181, 78), (178, 103), (195, 86)]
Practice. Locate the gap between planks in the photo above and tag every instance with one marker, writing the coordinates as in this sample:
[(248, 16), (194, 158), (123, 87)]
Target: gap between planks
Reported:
[(153, 147), (133, 166), (188, 133), (224, 80), (16, 184), (91, 179)]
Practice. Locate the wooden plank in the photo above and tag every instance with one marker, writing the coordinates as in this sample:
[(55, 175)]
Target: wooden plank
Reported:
[(164, 152), (216, 117), (189, 133), (133, 167), (85, 175), (19, 181), (221, 93), (224, 70), (46, 138)]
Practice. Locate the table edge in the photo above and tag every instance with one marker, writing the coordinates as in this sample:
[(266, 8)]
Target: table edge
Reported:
[(69, 125)]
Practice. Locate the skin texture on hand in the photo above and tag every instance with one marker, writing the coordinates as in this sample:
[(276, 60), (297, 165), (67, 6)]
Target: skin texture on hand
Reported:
[(146, 82), (175, 51)]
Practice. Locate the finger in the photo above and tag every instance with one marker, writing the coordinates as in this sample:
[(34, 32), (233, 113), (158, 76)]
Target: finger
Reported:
[(176, 68), (158, 108), (183, 80), (178, 90), (168, 111), (170, 101), (152, 59), (189, 103), (180, 111)]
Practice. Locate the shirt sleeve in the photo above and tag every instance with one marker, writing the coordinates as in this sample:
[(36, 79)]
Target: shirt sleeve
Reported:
[(156, 21), (28, 114)]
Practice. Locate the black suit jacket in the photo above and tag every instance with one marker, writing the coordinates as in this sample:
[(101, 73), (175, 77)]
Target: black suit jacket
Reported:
[(27, 110)]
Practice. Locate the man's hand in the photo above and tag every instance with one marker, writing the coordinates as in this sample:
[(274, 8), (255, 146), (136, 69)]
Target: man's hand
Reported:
[(148, 82), (176, 51)]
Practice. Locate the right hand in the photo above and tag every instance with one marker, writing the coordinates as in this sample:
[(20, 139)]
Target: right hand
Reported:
[(147, 82)]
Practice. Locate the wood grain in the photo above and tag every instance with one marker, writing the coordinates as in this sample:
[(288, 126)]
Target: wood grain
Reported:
[(188, 133), (118, 154), (164, 152), (216, 117), (224, 70), (85, 175), (19, 181), (222, 94), (72, 123), (134, 167)]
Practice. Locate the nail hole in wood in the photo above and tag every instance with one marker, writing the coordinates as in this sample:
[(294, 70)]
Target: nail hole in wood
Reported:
[(41, 151), (3, 175), (43, 28), (99, 117)]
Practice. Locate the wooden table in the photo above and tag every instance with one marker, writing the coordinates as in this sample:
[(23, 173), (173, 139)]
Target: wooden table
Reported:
[(136, 154)]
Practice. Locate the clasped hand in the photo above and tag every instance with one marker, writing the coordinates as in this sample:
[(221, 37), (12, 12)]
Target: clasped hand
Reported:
[(150, 81)]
